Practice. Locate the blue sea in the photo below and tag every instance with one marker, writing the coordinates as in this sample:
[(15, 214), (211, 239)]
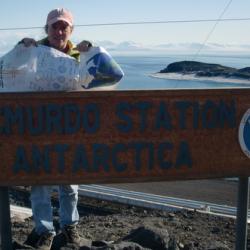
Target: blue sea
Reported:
[(137, 69)]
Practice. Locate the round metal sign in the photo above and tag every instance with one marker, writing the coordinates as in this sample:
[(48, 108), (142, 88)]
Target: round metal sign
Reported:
[(244, 133)]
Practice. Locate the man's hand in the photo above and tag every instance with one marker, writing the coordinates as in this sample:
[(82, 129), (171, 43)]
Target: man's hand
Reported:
[(84, 46), (27, 42)]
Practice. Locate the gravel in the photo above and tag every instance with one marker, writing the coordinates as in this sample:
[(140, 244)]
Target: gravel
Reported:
[(106, 225)]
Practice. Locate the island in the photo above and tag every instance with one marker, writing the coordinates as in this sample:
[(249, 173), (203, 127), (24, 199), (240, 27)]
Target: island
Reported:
[(201, 70)]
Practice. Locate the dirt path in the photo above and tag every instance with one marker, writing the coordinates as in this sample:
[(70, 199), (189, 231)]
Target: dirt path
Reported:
[(218, 191)]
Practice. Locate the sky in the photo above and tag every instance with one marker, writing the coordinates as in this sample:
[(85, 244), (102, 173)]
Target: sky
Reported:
[(30, 13)]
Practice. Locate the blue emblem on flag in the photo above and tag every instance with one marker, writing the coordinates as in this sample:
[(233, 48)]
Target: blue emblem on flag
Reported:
[(104, 70)]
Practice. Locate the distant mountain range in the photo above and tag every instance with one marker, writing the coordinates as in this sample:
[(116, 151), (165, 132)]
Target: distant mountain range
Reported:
[(175, 47), (133, 47)]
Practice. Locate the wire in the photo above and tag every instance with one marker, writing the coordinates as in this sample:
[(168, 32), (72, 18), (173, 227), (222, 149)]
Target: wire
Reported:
[(212, 30), (141, 23)]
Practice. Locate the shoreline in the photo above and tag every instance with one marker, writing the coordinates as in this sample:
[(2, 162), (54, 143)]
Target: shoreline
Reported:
[(192, 77)]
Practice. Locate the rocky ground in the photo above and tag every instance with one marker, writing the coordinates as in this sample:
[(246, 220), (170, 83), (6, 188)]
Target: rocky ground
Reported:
[(106, 225)]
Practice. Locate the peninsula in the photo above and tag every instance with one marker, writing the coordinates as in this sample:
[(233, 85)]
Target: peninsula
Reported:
[(200, 69)]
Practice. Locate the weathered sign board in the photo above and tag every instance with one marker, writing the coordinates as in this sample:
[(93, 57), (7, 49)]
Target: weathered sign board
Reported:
[(123, 136)]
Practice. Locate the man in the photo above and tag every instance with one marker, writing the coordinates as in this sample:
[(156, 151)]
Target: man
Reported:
[(59, 27)]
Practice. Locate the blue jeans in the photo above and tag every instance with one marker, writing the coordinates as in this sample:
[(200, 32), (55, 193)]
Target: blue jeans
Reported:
[(42, 210)]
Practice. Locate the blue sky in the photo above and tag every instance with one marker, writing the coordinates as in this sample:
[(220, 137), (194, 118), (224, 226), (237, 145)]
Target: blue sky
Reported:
[(17, 13)]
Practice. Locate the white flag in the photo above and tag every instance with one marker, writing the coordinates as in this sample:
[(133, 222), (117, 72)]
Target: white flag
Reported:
[(43, 68)]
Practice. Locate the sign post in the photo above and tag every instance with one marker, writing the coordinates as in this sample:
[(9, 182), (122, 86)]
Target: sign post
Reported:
[(242, 213), (5, 223)]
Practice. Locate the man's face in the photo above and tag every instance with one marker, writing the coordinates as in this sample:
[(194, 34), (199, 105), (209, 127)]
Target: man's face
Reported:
[(59, 34)]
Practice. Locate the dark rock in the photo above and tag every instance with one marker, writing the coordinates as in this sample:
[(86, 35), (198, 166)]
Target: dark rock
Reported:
[(215, 230), (215, 245), (153, 238), (171, 215), (189, 246), (124, 245), (188, 228), (100, 243), (103, 245), (173, 244), (68, 247)]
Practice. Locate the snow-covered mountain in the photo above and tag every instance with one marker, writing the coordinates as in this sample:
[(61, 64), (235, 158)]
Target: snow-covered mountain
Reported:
[(126, 45), (131, 47)]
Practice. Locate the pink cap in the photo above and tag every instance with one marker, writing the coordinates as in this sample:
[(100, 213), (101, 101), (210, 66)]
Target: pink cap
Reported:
[(60, 14)]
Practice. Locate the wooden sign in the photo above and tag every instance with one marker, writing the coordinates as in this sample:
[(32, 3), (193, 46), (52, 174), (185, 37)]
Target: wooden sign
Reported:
[(123, 136)]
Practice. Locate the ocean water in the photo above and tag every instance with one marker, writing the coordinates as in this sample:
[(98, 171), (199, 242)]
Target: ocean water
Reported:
[(137, 69)]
